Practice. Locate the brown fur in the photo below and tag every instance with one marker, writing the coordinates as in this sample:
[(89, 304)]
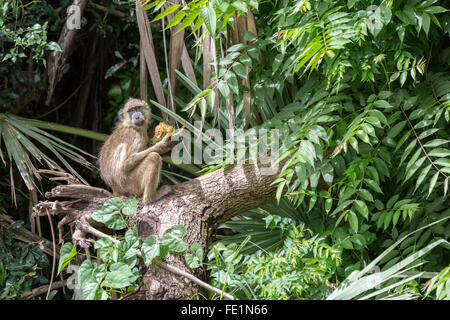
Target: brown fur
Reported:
[(125, 163)]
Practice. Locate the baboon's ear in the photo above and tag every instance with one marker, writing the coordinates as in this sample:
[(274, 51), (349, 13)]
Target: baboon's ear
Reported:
[(120, 115)]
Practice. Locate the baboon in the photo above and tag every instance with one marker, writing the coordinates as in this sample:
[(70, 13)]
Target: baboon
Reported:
[(126, 164)]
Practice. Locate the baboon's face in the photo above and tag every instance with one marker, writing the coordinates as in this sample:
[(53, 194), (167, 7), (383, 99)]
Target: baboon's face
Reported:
[(137, 116), (136, 113)]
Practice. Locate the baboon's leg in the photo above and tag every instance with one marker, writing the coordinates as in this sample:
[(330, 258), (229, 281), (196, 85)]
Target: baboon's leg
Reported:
[(161, 192), (151, 179)]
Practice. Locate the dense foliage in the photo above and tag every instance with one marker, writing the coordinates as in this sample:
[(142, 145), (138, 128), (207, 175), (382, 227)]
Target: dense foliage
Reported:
[(20, 265), (359, 93)]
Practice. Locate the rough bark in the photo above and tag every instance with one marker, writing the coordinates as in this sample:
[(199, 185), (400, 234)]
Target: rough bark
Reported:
[(200, 205), (57, 64)]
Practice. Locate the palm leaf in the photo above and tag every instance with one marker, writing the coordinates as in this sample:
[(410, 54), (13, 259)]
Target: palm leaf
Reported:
[(359, 282), (20, 138)]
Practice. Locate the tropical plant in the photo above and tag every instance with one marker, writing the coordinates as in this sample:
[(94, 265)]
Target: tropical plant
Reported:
[(363, 285), (359, 94), (356, 92), (20, 265), (301, 268), (18, 135)]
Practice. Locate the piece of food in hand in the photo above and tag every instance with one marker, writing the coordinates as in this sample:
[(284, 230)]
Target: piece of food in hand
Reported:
[(163, 130)]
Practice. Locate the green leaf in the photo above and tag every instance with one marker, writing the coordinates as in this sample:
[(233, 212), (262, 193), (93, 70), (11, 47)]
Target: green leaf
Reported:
[(395, 130), (414, 168), (120, 276), (195, 260), (361, 207), (209, 17), (307, 151), (379, 115), (277, 62), (191, 86), (351, 3), (443, 162), (363, 136), (373, 185), (387, 219), (130, 208), (240, 5), (408, 150), (280, 188), (353, 219), (432, 183), (328, 205), (435, 9), (173, 239), (150, 249), (381, 166), (314, 179), (396, 217), (369, 129), (374, 121), (163, 251), (394, 76), (422, 176), (366, 195), (108, 250), (354, 143), (413, 159), (66, 254), (427, 133), (89, 277), (189, 19), (233, 83), (403, 77), (176, 19), (439, 152), (109, 214), (346, 244), (166, 12), (391, 201), (435, 143), (224, 89), (359, 240), (382, 104), (53, 46), (197, 24), (239, 69), (327, 173), (245, 59)]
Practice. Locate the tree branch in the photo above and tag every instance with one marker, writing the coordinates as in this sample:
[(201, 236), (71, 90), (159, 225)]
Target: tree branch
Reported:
[(42, 289), (200, 205)]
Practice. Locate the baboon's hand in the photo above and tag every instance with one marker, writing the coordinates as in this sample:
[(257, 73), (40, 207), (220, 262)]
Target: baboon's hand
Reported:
[(163, 146)]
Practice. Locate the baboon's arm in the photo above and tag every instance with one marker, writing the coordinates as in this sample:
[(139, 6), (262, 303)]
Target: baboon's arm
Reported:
[(161, 147)]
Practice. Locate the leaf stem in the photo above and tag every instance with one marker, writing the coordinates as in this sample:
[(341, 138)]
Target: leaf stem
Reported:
[(420, 144)]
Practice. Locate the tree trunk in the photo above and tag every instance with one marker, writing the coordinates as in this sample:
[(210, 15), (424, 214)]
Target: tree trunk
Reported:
[(200, 205)]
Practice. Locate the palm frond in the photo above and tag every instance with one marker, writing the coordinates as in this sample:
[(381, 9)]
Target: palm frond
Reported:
[(20, 138), (360, 282)]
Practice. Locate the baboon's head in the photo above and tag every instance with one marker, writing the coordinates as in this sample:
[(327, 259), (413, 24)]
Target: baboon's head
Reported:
[(135, 113)]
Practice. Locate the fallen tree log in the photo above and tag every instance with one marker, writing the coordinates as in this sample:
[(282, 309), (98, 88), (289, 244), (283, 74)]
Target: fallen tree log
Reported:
[(200, 205)]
